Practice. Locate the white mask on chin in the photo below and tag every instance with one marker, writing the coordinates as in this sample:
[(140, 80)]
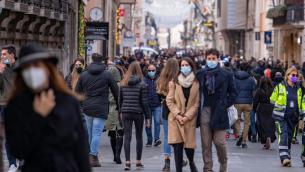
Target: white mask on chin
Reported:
[(34, 78)]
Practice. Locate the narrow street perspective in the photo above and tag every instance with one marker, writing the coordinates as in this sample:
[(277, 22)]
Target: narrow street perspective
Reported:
[(152, 85)]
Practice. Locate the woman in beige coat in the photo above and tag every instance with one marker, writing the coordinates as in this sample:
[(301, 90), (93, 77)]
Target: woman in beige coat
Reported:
[(183, 101)]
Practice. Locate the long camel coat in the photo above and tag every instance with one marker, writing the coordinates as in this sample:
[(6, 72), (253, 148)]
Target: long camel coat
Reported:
[(185, 133)]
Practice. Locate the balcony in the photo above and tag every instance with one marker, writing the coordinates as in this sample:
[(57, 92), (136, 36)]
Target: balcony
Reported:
[(286, 14), (278, 21), (60, 6)]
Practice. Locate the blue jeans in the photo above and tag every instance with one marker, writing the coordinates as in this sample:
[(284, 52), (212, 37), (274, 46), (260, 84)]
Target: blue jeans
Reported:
[(252, 126), (156, 115), (166, 147), (95, 128)]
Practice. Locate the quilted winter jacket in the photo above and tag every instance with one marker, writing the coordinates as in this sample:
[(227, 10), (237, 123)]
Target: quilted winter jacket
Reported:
[(134, 97)]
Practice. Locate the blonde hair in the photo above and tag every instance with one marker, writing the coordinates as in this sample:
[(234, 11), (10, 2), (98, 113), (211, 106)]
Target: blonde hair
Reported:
[(289, 71)]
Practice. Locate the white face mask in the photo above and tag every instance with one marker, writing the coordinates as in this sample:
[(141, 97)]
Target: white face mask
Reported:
[(34, 78)]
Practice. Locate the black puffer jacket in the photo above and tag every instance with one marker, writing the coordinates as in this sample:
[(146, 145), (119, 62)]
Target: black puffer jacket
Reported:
[(134, 98), (95, 84)]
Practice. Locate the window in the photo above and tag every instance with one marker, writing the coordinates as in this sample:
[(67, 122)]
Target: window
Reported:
[(218, 8)]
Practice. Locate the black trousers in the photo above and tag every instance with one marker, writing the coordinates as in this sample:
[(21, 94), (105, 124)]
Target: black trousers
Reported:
[(178, 152), (128, 120), (11, 159)]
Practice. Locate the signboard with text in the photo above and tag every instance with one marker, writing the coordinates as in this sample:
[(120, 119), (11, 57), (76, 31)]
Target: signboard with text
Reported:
[(97, 31)]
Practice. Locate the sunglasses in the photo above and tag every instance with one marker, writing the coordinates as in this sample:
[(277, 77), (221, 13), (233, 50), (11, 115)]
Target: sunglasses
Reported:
[(151, 70), (294, 75)]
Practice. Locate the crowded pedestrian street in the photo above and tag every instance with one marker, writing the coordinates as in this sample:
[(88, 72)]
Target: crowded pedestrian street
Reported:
[(152, 85), (253, 159)]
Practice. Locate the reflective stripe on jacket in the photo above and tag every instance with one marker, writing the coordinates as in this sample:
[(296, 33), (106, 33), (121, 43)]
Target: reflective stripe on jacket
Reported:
[(279, 99)]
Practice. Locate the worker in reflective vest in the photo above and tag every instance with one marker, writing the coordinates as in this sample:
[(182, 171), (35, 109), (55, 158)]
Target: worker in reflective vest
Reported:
[(289, 105)]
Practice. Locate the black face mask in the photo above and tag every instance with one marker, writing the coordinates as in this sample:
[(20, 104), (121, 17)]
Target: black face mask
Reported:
[(79, 70)]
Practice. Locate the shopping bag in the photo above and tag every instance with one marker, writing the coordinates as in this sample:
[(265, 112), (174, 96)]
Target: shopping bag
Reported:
[(232, 114)]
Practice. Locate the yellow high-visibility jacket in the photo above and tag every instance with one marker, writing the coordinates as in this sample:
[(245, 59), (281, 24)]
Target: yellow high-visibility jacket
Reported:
[(279, 99)]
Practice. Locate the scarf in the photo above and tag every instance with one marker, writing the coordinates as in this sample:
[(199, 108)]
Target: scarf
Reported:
[(210, 80), (186, 81)]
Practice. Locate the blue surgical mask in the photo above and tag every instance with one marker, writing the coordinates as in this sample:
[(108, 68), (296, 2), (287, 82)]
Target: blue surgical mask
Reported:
[(7, 61), (186, 70), (151, 74), (212, 64)]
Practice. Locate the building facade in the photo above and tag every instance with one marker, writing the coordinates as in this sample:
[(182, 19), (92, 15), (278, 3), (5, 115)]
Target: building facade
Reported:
[(231, 23), (272, 29), (261, 47), (109, 13), (203, 26), (288, 22), (52, 23)]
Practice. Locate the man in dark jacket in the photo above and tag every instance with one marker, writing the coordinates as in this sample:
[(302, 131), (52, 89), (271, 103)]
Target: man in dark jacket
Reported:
[(7, 62), (260, 68), (245, 85), (94, 84), (155, 106), (217, 93)]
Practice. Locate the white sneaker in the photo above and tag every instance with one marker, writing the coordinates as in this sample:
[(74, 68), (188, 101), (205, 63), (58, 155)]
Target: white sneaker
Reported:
[(12, 168)]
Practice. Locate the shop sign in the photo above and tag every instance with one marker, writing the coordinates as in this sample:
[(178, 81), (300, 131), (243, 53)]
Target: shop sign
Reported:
[(97, 31)]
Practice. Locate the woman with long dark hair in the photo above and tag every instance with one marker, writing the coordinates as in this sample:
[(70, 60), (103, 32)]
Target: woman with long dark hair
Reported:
[(133, 104), (183, 102), (42, 120), (263, 109), (77, 68)]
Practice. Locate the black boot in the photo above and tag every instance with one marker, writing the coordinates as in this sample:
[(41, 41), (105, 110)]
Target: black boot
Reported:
[(238, 143), (193, 167), (113, 142), (94, 161), (119, 145), (178, 154), (167, 165)]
